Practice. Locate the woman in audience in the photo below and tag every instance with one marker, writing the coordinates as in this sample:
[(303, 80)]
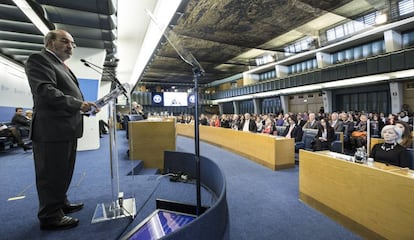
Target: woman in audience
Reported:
[(324, 137), (268, 127), (214, 121), (293, 130), (390, 152), (406, 138)]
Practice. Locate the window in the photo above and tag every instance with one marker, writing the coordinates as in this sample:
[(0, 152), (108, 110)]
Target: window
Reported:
[(352, 26), (405, 7), (299, 46)]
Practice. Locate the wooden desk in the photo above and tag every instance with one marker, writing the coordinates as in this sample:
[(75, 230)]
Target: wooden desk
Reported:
[(376, 202), (149, 139), (265, 149)]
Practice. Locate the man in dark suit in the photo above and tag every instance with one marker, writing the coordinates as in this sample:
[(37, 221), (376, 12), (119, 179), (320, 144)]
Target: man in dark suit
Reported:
[(57, 124)]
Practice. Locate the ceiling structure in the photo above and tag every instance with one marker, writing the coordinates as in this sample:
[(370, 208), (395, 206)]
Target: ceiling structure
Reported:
[(225, 36)]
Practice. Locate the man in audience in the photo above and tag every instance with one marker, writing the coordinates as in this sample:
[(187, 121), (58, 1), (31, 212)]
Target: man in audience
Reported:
[(336, 123), (21, 122), (312, 123), (248, 124)]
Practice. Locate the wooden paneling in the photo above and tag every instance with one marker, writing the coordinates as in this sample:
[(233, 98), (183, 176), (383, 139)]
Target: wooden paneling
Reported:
[(274, 153), (149, 139), (375, 201)]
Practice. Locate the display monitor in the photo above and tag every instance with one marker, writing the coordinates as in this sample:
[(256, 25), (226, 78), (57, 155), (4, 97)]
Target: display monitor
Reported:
[(158, 224), (172, 99)]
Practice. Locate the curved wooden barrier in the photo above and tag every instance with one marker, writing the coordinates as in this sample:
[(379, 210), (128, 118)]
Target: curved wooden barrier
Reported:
[(267, 150)]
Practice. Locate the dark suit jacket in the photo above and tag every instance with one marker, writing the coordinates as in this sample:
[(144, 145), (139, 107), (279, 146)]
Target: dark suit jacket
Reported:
[(296, 133), (330, 134), (252, 125), (57, 99)]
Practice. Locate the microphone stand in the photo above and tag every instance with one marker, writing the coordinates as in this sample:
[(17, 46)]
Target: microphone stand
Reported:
[(198, 71), (114, 78), (119, 207)]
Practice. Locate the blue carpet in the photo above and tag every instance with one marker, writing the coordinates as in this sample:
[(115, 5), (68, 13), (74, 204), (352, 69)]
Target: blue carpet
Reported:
[(263, 204)]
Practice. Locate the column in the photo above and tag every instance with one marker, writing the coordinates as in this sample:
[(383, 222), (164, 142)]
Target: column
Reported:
[(393, 41), (236, 107), (323, 59), (284, 101), (256, 104), (396, 92)]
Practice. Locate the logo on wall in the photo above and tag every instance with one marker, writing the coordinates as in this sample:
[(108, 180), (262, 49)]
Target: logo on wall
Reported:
[(191, 99), (157, 98)]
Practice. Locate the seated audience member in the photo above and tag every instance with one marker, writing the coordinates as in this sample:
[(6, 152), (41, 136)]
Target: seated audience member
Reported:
[(324, 137), (248, 124), (279, 120), (403, 116), (348, 126), (390, 152), (259, 124), (235, 123), (28, 114), (359, 135), (336, 123), (214, 121), (376, 125), (301, 121), (203, 120), (391, 119), (406, 138), (312, 123), (6, 131), (293, 130), (224, 121), (21, 122), (268, 127)]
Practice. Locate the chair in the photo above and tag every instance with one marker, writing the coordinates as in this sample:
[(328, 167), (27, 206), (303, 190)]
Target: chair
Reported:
[(307, 138), (338, 144)]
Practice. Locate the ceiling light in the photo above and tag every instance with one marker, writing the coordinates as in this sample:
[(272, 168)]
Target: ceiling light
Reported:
[(381, 18), (32, 15)]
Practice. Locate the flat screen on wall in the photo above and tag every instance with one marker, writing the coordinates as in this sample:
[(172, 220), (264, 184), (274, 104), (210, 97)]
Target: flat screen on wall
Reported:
[(172, 99), (158, 224)]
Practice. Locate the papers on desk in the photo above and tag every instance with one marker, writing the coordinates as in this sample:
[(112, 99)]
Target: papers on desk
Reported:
[(341, 156)]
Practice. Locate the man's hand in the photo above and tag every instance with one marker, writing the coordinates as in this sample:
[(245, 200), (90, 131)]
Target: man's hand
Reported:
[(88, 106)]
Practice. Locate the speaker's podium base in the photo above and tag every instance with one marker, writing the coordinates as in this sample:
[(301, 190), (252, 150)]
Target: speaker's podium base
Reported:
[(179, 207), (113, 210)]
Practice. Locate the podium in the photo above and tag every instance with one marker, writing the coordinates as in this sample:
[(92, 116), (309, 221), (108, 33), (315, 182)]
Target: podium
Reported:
[(118, 207)]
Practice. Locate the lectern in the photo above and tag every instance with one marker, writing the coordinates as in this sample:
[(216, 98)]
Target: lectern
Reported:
[(118, 207)]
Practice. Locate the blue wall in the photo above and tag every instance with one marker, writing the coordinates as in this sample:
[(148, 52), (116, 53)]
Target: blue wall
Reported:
[(89, 89)]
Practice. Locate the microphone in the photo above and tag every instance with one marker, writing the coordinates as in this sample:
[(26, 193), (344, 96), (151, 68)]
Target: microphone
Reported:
[(114, 78)]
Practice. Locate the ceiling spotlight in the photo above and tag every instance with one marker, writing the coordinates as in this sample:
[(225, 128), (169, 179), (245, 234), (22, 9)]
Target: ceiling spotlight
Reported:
[(381, 18)]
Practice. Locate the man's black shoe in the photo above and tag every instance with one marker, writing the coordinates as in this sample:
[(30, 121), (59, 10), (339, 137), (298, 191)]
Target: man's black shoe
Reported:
[(65, 222), (73, 207)]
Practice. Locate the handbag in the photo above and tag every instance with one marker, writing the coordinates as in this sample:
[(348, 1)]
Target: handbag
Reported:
[(359, 134)]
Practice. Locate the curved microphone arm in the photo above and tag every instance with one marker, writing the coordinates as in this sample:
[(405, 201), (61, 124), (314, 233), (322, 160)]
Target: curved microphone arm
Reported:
[(114, 79)]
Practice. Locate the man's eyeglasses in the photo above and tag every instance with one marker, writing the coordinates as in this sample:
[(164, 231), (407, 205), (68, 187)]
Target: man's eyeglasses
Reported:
[(67, 41)]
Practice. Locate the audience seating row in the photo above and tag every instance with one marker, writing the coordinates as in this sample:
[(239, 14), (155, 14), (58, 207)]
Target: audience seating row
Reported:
[(309, 135), (7, 143)]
